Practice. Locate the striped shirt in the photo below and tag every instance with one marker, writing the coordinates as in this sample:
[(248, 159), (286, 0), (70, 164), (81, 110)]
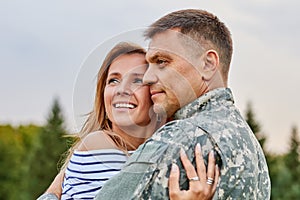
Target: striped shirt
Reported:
[(87, 172)]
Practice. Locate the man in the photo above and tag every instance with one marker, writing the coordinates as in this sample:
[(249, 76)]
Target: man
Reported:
[(189, 57)]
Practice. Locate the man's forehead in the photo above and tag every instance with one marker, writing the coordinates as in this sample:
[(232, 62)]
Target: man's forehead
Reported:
[(164, 44), (162, 40), (172, 41), (154, 51)]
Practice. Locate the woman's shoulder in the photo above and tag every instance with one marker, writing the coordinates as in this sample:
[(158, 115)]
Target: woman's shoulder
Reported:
[(95, 141)]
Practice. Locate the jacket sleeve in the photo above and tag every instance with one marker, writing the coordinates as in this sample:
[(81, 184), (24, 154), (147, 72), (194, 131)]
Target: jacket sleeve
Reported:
[(136, 175), (146, 173)]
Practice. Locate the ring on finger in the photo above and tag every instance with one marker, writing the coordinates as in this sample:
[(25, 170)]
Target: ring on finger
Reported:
[(196, 178), (210, 181)]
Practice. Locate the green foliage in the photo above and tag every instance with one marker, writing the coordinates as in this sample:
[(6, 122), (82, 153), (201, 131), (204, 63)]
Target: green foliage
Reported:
[(292, 164), (52, 145), (254, 125), (17, 146), (292, 158), (29, 157), (284, 169)]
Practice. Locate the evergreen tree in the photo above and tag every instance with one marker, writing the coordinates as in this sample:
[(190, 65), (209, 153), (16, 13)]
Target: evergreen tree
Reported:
[(292, 157), (52, 145), (254, 125), (10, 161), (280, 177), (30, 142), (285, 171), (18, 147), (286, 182)]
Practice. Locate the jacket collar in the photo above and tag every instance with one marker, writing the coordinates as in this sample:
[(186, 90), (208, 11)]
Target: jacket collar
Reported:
[(213, 97)]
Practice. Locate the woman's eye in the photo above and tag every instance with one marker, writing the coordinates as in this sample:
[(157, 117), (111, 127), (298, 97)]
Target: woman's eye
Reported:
[(138, 80), (113, 81)]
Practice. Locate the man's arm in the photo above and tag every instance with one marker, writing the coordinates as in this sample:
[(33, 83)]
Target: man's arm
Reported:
[(136, 175), (146, 173)]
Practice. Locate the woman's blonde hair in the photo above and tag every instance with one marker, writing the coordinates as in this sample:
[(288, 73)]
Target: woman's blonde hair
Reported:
[(97, 119)]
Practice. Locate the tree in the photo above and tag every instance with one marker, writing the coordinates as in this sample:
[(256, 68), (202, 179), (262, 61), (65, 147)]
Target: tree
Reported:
[(17, 147), (29, 156), (285, 171), (10, 160), (52, 144), (292, 157), (255, 126)]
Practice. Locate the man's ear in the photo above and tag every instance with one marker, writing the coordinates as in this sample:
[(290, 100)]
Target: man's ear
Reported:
[(211, 60)]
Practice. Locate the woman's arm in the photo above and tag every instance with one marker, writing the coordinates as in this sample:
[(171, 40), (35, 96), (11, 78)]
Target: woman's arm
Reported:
[(202, 184), (92, 141), (54, 190), (55, 186)]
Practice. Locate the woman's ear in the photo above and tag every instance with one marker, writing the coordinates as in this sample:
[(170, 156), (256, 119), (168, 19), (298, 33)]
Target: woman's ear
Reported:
[(211, 59)]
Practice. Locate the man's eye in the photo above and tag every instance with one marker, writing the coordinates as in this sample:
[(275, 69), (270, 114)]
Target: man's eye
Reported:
[(161, 61)]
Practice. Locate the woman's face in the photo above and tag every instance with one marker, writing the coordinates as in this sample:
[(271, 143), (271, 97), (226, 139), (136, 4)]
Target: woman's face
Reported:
[(127, 100)]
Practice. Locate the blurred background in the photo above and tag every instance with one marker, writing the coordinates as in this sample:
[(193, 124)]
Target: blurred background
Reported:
[(44, 45)]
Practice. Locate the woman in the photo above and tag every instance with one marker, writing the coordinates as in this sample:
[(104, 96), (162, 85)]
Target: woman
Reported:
[(121, 120)]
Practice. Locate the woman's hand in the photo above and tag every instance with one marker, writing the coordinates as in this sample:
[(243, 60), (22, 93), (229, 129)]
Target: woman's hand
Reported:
[(202, 185)]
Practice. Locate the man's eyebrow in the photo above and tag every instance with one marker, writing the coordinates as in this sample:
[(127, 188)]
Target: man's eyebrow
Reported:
[(153, 57)]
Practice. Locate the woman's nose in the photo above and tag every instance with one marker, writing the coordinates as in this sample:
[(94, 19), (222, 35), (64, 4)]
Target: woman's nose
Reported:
[(124, 89)]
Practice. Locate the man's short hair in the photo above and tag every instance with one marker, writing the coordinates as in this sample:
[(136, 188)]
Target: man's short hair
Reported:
[(201, 26)]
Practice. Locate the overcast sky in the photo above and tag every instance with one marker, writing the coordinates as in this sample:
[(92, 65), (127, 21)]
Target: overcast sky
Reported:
[(43, 45)]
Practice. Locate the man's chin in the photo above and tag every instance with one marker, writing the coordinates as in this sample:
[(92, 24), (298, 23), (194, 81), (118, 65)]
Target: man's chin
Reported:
[(159, 109)]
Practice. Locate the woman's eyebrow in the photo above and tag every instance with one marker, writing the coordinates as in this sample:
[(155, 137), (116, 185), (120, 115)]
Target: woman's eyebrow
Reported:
[(138, 74), (113, 74)]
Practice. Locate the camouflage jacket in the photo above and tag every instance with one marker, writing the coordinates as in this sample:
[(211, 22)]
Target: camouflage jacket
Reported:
[(213, 121)]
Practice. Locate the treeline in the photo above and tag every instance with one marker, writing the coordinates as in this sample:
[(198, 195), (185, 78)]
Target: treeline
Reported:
[(31, 155), (284, 169)]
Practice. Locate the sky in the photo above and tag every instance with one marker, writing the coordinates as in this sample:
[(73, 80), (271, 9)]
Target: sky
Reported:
[(45, 45)]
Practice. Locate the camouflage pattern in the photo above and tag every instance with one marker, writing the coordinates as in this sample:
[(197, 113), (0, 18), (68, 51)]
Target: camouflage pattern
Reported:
[(213, 121)]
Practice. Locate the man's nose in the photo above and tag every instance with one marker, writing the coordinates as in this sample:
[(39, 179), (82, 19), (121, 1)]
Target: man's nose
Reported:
[(150, 75)]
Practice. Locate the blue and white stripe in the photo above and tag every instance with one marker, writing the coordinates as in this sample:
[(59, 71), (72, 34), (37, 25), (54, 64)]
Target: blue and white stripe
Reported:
[(88, 171)]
